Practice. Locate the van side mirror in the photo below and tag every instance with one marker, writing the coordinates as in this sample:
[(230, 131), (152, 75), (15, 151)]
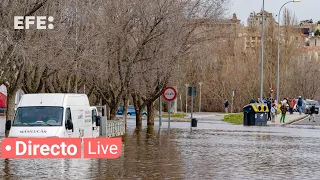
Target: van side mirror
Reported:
[(98, 120), (8, 125), (69, 125)]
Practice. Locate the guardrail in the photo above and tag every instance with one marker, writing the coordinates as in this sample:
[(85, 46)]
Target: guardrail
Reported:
[(115, 128)]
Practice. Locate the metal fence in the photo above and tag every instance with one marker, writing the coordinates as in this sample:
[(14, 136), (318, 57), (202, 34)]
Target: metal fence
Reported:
[(110, 128), (115, 128)]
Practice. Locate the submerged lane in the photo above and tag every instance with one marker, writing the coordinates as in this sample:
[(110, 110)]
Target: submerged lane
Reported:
[(214, 150)]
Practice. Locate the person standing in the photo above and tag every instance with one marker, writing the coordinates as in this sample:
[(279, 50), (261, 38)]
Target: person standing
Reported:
[(283, 109), (226, 105), (273, 112), (312, 113), (259, 100), (299, 105), (294, 103), (291, 106), (252, 101), (269, 112)]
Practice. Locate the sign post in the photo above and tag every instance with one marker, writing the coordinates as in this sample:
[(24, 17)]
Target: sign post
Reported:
[(192, 91), (160, 112), (271, 92), (169, 94)]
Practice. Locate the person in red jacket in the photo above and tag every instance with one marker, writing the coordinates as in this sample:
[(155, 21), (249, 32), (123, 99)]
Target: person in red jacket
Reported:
[(294, 102)]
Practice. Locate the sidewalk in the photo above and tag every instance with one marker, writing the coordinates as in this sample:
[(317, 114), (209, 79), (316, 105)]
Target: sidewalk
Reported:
[(290, 118)]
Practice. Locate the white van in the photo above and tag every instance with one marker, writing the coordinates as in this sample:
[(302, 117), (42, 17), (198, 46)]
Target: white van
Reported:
[(54, 115)]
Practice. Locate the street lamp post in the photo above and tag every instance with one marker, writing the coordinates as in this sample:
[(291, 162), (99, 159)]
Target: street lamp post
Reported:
[(262, 53), (278, 58), (200, 83)]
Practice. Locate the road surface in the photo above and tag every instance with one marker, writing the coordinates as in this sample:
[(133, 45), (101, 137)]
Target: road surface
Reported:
[(307, 122)]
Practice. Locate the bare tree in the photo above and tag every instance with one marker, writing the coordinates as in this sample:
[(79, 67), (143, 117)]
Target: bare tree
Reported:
[(12, 54)]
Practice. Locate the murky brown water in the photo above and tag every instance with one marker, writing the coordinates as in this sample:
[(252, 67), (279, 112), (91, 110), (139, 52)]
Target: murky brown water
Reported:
[(215, 150)]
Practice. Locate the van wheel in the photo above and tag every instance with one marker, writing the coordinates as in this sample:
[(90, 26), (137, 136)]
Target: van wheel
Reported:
[(129, 114)]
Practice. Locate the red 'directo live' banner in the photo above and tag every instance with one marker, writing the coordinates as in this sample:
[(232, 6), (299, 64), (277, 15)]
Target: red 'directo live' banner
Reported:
[(109, 148)]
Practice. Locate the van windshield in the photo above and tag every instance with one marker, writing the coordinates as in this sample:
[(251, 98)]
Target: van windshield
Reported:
[(38, 116)]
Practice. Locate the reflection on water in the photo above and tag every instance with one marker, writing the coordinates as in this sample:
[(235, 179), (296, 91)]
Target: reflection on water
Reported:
[(214, 150)]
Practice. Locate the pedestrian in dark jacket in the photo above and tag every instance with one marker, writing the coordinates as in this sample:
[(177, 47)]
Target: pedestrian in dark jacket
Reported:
[(269, 113), (299, 105), (252, 101), (226, 105), (312, 113)]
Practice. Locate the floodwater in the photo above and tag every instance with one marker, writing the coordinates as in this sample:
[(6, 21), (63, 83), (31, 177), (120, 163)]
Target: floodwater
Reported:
[(214, 150)]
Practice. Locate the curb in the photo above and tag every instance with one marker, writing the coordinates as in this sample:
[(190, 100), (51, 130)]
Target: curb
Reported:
[(288, 123)]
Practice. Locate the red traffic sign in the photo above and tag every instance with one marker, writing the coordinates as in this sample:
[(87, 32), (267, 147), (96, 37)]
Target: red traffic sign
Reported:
[(271, 90), (169, 94)]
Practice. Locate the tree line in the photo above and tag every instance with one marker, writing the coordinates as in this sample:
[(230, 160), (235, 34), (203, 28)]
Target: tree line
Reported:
[(114, 51)]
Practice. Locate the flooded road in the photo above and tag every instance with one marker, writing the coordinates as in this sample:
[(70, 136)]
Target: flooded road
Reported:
[(214, 150)]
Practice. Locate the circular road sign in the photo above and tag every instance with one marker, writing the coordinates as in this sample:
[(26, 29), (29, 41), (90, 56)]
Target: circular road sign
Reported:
[(271, 90), (169, 94)]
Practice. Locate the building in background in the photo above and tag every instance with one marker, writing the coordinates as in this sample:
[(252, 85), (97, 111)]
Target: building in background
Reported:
[(3, 98), (255, 20), (221, 33)]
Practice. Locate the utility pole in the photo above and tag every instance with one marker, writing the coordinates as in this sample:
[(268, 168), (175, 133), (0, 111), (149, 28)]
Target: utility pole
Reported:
[(77, 48), (191, 103), (160, 111), (262, 53), (181, 103), (278, 57)]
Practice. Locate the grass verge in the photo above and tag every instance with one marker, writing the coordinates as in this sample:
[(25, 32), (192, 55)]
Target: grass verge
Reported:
[(234, 118)]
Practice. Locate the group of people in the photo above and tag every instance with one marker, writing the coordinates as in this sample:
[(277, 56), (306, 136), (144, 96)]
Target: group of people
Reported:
[(271, 106), (271, 103)]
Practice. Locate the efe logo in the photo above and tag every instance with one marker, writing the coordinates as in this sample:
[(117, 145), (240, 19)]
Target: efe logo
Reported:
[(39, 21)]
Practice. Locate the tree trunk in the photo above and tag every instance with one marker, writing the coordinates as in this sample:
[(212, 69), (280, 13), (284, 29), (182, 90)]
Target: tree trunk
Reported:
[(137, 133), (11, 97), (108, 112), (125, 107), (10, 108), (104, 102), (138, 119), (151, 114), (113, 113), (149, 130)]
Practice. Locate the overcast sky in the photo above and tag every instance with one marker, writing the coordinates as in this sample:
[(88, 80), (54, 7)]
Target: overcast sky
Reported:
[(306, 9)]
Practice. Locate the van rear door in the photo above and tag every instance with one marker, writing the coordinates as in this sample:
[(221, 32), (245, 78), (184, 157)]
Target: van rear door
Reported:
[(95, 128)]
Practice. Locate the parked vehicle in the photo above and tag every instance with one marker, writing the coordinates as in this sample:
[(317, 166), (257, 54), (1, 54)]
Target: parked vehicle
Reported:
[(54, 115), (308, 105), (130, 111)]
